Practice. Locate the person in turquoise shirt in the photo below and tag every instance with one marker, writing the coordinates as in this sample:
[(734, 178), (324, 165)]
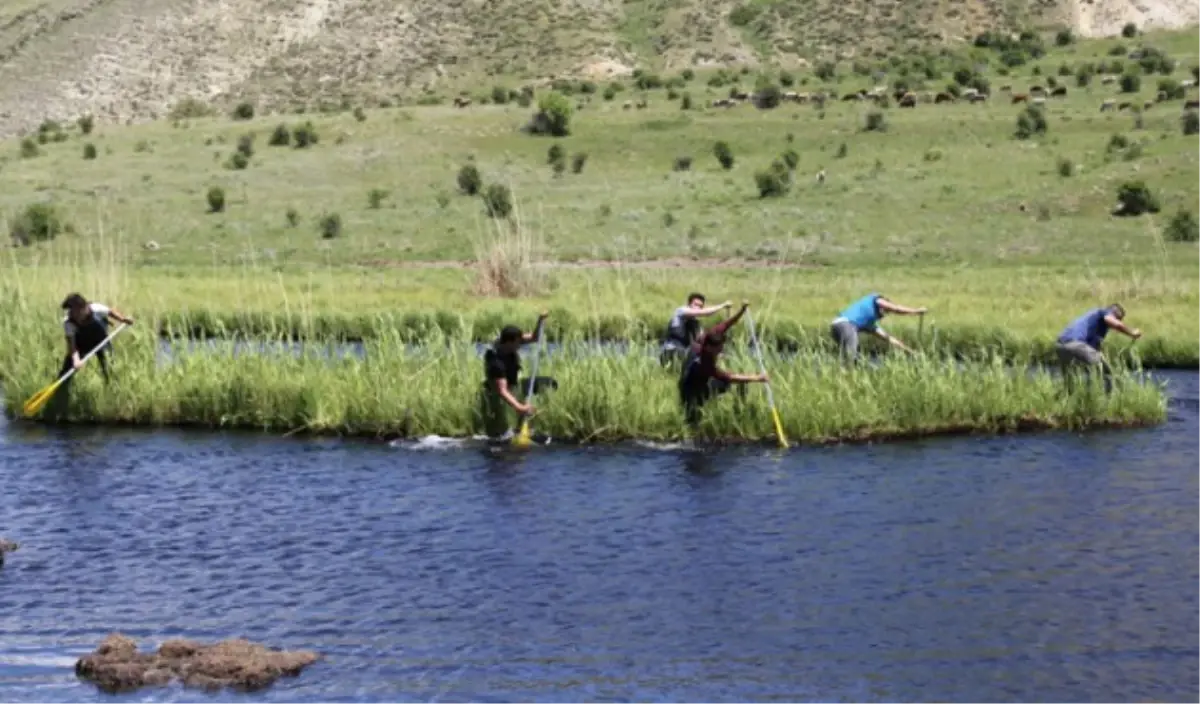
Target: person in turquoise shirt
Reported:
[(863, 316)]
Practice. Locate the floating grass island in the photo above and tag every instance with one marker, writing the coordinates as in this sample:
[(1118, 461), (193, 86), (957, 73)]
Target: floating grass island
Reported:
[(392, 390)]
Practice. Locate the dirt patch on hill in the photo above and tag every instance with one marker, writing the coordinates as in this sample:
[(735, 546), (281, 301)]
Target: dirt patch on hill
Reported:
[(1106, 18), (668, 263), (117, 666)]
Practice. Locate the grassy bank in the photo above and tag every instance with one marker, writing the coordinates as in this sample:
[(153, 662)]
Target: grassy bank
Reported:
[(395, 390)]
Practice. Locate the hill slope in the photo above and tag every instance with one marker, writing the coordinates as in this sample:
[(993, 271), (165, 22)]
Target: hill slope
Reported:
[(134, 59)]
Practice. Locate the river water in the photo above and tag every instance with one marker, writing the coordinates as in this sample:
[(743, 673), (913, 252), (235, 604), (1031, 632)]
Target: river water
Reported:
[(1054, 567)]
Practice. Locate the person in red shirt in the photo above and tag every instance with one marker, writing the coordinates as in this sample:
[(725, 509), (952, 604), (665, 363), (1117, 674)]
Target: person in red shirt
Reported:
[(701, 378)]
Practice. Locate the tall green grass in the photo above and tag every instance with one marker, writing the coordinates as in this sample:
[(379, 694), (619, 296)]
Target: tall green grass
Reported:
[(398, 390)]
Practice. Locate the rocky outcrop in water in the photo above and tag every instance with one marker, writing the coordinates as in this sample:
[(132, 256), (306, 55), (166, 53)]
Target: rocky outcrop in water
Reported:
[(117, 666), (6, 546)]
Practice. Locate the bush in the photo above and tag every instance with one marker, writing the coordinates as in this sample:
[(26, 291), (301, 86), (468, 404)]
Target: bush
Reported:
[(1134, 198), (330, 225), (216, 199), (360, 114), (610, 93), (876, 122), (790, 159), (724, 154), (499, 95), (29, 148), (1183, 227), (685, 102), (555, 153), (842, 151), (237, 161), (89, 151), (1172, 88), (1129, 31), (375, 198), (826, 71), (497, 201), (1066, 167), (1064, 37), (1031, 121), (767, 95), (304, 136), (245, 144), (291, 217), (774, 181), (786, 79), (578, 161), (38, 222), (280, 136), (469, 180), (1131, 83), (524, 99), (553, 116), (687, 74), (1191, 122), (86, 123), (1116, 143), (243, 111), (1083, 76), (682, 163), (559, 167)]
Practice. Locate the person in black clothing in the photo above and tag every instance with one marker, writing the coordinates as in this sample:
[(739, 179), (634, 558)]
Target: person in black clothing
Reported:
[(86, 326), (502, 367)]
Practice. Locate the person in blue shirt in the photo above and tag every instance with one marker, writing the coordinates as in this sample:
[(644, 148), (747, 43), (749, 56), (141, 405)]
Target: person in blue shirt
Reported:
[(1079, 343), (863, 316)]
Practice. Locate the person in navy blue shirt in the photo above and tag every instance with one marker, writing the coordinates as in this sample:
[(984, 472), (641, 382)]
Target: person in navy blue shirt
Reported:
[(863, 316), (1079, 344)]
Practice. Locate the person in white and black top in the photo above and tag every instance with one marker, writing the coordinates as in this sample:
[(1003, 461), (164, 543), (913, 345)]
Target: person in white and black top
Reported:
[(684, 329), (86, 326)]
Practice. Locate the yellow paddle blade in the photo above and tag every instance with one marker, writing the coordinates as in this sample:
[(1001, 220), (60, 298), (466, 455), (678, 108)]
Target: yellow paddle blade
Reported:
[(38, 401), (522, 438), (779, 428)]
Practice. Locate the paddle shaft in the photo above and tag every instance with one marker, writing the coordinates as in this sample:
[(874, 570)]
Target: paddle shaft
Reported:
[(83, 360), (536, 355), (762, 367)]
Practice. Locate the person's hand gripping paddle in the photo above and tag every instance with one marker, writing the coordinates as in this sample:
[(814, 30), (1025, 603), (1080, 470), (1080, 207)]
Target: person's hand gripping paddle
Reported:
[(523, 438)]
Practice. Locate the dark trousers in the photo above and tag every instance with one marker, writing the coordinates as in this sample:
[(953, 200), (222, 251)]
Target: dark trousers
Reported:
[(494, 410), (695, 395)]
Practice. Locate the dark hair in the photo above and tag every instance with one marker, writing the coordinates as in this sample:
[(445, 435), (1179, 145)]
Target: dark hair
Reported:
[(74, 300), (510, 333), (1118, 309), (693, 296)]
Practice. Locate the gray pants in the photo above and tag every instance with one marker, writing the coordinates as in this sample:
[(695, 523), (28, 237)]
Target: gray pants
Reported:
[(1074, 355), (846, 335)]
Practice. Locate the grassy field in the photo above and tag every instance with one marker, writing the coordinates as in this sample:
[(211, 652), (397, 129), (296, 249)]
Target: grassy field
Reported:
[(366, 234)]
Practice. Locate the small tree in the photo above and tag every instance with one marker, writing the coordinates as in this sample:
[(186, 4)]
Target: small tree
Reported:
[(244, 111), (245, 145), (86, 123), (280, 136), (1131, 82), (497, 200), (553, 116), (304, 136), (1182, 227), (330, 225), (38, 222), (216, 199), (89, 151), (469, 180), (1171, 89), (724, 154), (555, 153), (1134, 198), (876, 122), (791, 159), (1064, 37), (1129, 31), (1031, 121), (578, 161), (1191, 122), (774, 181)]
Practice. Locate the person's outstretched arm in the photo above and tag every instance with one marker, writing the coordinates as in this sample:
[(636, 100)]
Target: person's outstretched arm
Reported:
[(1116, 324), (885, 304), (705, 312), (534, 336)]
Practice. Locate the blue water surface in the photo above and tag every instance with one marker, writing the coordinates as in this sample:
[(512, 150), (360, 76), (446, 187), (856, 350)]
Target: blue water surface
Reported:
[(1052, 567)]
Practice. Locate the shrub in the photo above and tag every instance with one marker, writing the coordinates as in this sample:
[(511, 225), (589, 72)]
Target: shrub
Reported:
[(1131, 83), (237, 161), (1066, 167), (647, 81), (1134, 198), (497, 200), (1152, 60), (499, 95), (29, 148), (243, 111), (559, 167), (685, 101), (89, 151), (1083, 76), (933, 154), (1064, 37), (842, 151), (291, 217), (86, 124), (724, 154), (190, 108), (826, 71), (245, 144), (1031, 121), (553, 116), (786, 79), (1191, 122), (1173, 89), (469, 180), (578, 161), (555, 153), (682, 163), (1182, 227), (610, 93), (280, 136), (790, 159), (687, 74), (774, 181), (1116, 143), (216, 199), (767, 95), (38, 222), (524, 99), (1065, 70), (304, 136), (330, 225), (1129, 31), (375, 198), (360, 114), (876, 122)]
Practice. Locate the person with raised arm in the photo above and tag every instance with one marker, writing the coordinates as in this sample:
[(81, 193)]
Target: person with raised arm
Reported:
[(702, 378), (1079, 344), (684, 328), (501, 388), (863, 316), (86, 326)]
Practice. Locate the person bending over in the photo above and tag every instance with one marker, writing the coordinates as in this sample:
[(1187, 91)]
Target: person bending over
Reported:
[(1079, 344), (863, 316), (684, 329), (86, 326), (701, 378), (502, 366)]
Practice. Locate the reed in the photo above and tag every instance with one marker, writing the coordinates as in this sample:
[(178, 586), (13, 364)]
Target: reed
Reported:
[(394, 389)]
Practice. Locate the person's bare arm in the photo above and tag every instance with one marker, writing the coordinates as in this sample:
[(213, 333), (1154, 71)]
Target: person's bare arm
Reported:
[(885, 304), (747, 378), (705, 312), (119, 317), (72, 351), (890, 340), (1121, 327), (534, 336), (502, 389)]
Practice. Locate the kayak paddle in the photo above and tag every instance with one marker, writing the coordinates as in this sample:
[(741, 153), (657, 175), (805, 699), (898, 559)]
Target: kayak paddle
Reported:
[(762, 368), (523, 439), (39, 400)]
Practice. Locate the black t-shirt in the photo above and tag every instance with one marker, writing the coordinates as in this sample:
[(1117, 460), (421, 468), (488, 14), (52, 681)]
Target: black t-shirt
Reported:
[(502, 366)]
